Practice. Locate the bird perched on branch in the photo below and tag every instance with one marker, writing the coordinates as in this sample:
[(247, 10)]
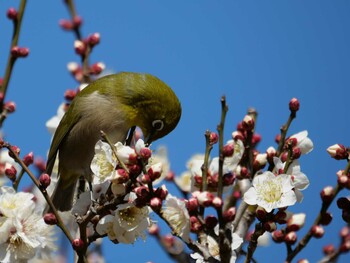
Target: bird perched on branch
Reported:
[(113, 104)]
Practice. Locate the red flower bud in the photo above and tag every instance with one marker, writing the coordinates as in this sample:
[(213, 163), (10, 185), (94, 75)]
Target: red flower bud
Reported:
[(12, 13), (195, 224), (291, 238), (248, 123), (66, 24), (192, 204), (10, 106), (317, 231), (278, 236), (93, 39), (296, 153), (97, 68), (153, 230), (328, 249), (161, 192), (145, 153), (77, 244), (155, 203), (270, 226), (28, 159), (228, 150), (338, 151), (214, 137), (50, 219), (45, 180), (77, 21), (294, 105), (11, 173), (229, 214), (327, 194), (70, 94), (326, 219), (16, 149)]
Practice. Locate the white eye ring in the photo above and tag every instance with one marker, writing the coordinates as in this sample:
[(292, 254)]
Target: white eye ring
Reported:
[(158, 125)]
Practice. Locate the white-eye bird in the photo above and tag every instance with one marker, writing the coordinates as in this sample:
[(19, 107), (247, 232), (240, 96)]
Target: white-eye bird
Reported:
[(112, 104)]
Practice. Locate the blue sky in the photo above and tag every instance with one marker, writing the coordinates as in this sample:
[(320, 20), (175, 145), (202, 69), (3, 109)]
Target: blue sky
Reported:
[(258, 53)]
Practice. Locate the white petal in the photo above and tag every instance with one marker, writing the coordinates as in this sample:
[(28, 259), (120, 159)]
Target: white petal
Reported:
[(250, 196)]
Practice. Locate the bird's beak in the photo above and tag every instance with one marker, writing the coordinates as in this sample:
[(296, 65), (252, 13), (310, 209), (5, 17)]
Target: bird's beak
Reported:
[(149, 138)]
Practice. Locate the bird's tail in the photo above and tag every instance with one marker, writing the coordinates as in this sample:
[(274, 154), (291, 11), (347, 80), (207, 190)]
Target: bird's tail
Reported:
[(63, 195)]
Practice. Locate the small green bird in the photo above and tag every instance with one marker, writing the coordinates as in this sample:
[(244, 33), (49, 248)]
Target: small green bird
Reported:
[(113, 104)]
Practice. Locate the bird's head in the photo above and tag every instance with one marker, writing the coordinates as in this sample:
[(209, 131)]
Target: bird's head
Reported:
[(151, 104)]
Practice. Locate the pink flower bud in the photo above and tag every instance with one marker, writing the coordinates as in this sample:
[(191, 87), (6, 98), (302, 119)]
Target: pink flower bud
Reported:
[(154, 230), (291, 238), (345, 247), (23, 52), (260, 161), (296, 153), (229, 214), (79, 47), (161, 192), (192, 204), (70, 94), (228, 179), (28, 159), (317, 231), (12, 13), (228, 150), (277, 138), (210, 221), (270, 226), (214, 137), (278, 236), (94, 39), (16, 149), (170, 176), (248, 123), (271, 152), (344, 232), (294, 105), (97, 68), (45, 180), (327, 194), (156, 203), (205, 198), (338, 151), (196, 226), (77, 244), (328, 249), (134, 169), (217, 202), (256, 139), (10, 172), (77, 21), (10, 106), (260, 213), (50, 219), (141, 192), (40, 164), (237, 135), (66, 24), (155, 171), (296, 222), (145, 153), (284, 157), (121, 176), (19, 51)]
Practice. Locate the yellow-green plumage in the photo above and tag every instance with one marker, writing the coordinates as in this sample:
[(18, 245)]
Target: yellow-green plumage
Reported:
[(114, 104)]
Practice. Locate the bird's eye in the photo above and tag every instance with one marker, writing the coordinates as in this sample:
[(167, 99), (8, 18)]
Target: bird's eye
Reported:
[(158, 124)]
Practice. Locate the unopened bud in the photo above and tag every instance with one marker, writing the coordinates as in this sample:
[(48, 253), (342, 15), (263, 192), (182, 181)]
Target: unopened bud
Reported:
[(170, 176), (260, 213), (121, 176), (228, 179), (28, 159), (229, 214), (19, 51), (282, 216), (10, 106), (237, 135), (291, 238), (161, 192), (326, 218), (343, 203), (214, 137), (66, 24), (328, 249), (205, 198), (12, 13), (97, 68), (296, 153), (217, 202), (345, 246), (260, 161), (77, 21), (70, 94), (294, 105), (278, 236), (73, 67), (79, 47), (10, 172), (228, 150), (248, 123), (195, 224), (155, 171), (271, 152), (192, 204), (141, 192), (40, 164), (317, 231), (338, 151), (145, 153), (50, 219), (77, 244), (327, 194), (153, 230), (45, 180), (155, 203), (94, 39), (15, 149), (296, 222)]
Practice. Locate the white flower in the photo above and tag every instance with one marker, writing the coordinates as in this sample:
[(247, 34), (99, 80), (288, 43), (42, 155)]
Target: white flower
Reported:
[(126, 154), (52, 123), (128, 223), (160, 156), (103, 164), (303, 142), (175, 213), (23, 233), (6, 161), (232, 162), (299, 179), (270, 191), (184, 181)]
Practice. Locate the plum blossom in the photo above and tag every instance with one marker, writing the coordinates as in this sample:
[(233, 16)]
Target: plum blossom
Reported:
[(299, 179), (175, 213), (303, 142), (103, 164), (270, 191), (127, 224), (23, 232)]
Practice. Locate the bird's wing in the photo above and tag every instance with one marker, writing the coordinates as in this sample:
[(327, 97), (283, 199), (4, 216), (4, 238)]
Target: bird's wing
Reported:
[(62, 130)]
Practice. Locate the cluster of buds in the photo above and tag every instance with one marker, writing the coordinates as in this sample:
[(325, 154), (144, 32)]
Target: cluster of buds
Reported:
[(72, 24), (81, 46), (19, 52), (344, 204), (289, 234), (213, 180)]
